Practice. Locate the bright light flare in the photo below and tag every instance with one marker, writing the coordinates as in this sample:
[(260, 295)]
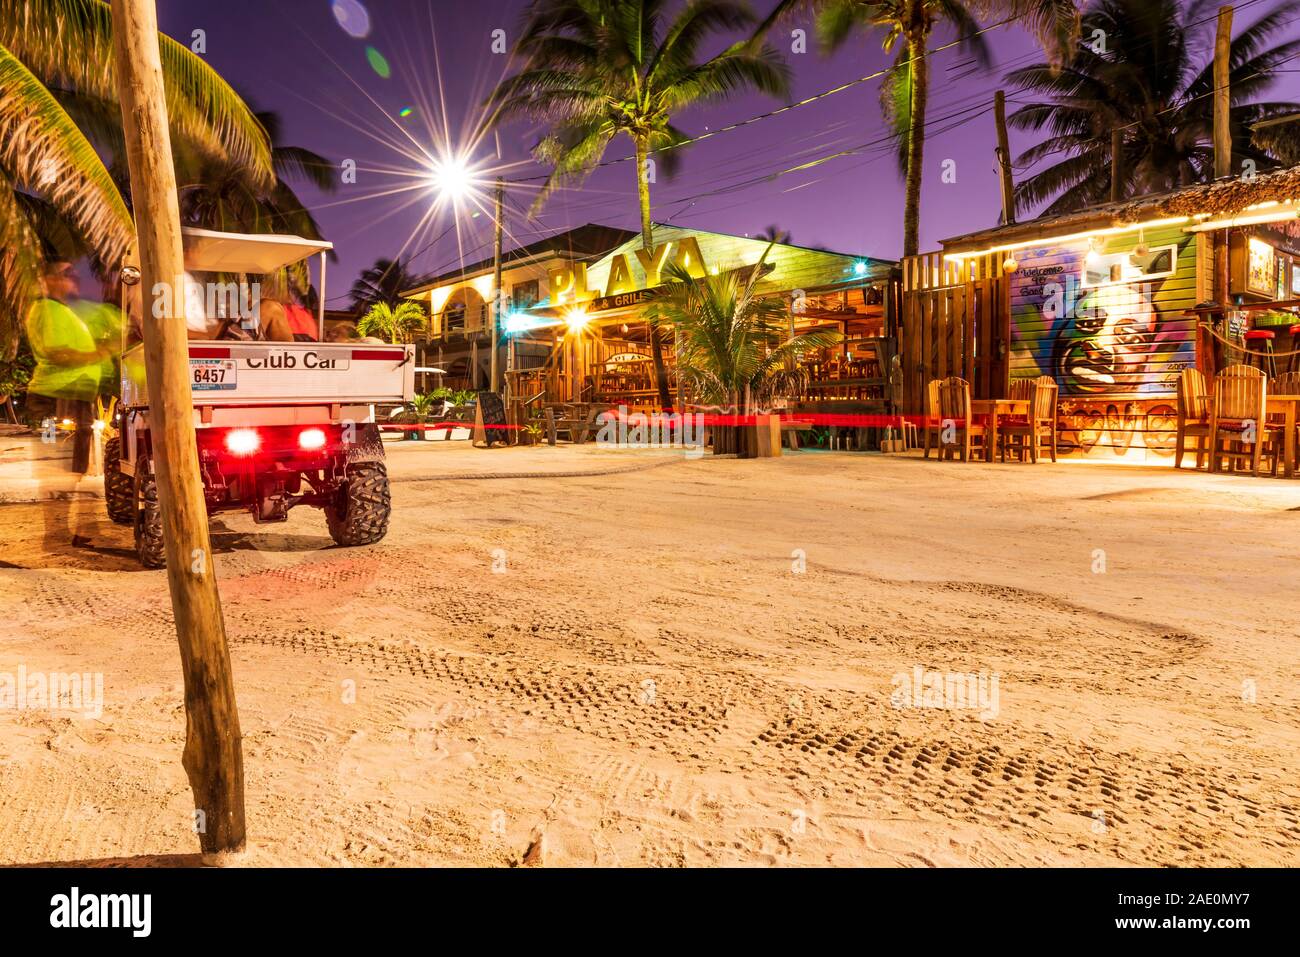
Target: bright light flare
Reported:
[(576, 319), (311, 439), (454, 179), (243, 442)]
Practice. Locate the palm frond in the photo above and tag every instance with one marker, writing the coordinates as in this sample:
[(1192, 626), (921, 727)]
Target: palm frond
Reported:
[(43, 151), (69, 43)]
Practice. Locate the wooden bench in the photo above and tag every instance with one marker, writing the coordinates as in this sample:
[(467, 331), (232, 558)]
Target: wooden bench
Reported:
[(579, 426)]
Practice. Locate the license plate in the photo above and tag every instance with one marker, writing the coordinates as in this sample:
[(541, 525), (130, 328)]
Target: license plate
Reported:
[(211, 374)]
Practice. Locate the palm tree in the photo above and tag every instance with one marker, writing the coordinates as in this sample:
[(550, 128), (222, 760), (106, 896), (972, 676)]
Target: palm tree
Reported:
[(598, 69), (53, 51), (1152, 82), (907, 27), (732, 349), (393, 324), (383, 282), (220, 193)]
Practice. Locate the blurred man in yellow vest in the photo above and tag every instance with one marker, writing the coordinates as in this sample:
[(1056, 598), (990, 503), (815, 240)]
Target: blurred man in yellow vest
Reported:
[(69, 361)]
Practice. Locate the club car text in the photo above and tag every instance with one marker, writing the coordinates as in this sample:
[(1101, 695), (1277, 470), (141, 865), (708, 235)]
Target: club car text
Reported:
[(294, 359)]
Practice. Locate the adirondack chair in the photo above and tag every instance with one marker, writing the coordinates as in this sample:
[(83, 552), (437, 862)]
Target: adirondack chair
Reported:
[(1275, 426), (1030, 431), (1193, 416), (1237, 415), (932, 416), (954, 408)]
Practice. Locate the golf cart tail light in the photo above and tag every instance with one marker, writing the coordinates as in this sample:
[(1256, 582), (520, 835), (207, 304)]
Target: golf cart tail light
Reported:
[(311, 439), (242, 442)]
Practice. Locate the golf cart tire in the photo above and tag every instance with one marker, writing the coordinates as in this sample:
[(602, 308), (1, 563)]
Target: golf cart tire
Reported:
[(149, 547), (119, 489), (359, 513)]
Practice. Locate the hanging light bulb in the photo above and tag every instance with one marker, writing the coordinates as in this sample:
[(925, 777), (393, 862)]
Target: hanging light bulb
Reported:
[(1141, 249)]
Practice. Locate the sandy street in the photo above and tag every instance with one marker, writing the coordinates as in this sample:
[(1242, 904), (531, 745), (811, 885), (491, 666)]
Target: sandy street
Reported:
[(694, 662)]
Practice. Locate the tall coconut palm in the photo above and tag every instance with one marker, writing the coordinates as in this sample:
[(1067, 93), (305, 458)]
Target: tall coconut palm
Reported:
[(597, 69), (53, 49), (397, 323), (1154, 81), (906, 28), (382, 283)]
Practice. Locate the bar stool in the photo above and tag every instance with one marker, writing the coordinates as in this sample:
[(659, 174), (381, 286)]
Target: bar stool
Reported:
[(1293, 363), (1261, 338)]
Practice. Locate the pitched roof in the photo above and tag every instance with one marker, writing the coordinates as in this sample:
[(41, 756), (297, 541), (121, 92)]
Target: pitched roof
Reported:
[(1225, 197), (584, 242)]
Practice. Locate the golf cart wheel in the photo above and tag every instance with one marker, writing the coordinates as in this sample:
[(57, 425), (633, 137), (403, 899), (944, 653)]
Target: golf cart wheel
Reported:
[(148, 520), (119, 489), (359, 513)]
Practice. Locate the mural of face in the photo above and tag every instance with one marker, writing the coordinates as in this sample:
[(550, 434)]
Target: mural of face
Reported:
[(1112, 341)]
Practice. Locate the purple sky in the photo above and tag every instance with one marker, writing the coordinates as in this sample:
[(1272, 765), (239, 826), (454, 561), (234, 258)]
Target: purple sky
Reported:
[(294, 57)]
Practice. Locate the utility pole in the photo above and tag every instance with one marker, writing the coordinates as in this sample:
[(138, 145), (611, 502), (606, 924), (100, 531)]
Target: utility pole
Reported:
[(1222, 170), (1004, 158), (1222, 97), (213, 756), (496, 284)]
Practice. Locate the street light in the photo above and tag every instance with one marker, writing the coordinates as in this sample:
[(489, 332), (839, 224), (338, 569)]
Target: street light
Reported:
[(453, 178)]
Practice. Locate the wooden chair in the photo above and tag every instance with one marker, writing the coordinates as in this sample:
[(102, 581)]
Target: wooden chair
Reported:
[(954, 408), (1030, 431), (1275, 426), (1238, 413), (1193, 416), (932, 416)]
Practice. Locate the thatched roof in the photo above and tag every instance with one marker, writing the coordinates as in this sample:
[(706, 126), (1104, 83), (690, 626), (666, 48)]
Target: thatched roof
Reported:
[(1225, 197)]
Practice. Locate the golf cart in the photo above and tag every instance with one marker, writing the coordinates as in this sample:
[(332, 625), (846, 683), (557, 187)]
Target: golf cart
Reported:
[(279, 424)]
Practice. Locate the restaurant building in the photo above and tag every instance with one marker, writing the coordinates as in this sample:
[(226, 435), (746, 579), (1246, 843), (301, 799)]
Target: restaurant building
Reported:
[(580, 333), (460, 335), (1113, 302)]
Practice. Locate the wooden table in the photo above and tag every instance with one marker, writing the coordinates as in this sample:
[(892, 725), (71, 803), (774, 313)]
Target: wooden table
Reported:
[(995, 409), (1289, 405)]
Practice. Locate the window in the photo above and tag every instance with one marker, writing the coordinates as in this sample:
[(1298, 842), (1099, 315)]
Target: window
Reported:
[(1106, 269), (524, 295), (453, 317)]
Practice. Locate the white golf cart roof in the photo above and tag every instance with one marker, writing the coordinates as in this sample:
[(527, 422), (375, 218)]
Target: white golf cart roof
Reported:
[(209, 251)]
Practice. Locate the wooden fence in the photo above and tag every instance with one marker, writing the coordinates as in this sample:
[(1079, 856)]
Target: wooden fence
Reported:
[(955, 321)]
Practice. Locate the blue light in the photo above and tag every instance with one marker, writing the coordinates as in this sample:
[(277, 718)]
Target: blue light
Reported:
[(860, 268), (517, 322)]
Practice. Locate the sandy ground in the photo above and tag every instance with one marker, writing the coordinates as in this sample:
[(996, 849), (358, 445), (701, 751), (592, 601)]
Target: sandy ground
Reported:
[(689, 664)]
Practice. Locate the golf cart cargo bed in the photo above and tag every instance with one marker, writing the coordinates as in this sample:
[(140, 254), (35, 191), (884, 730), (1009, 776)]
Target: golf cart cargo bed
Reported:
[(294, 373)]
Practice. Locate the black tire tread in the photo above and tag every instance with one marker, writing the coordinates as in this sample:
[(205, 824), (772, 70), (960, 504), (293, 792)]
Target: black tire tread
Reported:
[(149, 547), (359, 516), (119, 489)]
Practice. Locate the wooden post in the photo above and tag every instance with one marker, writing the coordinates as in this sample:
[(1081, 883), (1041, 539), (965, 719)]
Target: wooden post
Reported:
[(1004, 158), (495, 311), (1222, 100), (213, 756), (1116, 165)]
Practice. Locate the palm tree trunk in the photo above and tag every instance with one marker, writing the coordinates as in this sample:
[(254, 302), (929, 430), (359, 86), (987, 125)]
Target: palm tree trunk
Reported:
[(647, 243), (920, 84)]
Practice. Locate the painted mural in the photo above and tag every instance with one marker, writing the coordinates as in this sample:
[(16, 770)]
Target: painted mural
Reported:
[(1106, 320)]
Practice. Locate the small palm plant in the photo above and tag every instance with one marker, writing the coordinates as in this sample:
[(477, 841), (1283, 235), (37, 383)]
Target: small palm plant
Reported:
[(733, 348), (396, 324)]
